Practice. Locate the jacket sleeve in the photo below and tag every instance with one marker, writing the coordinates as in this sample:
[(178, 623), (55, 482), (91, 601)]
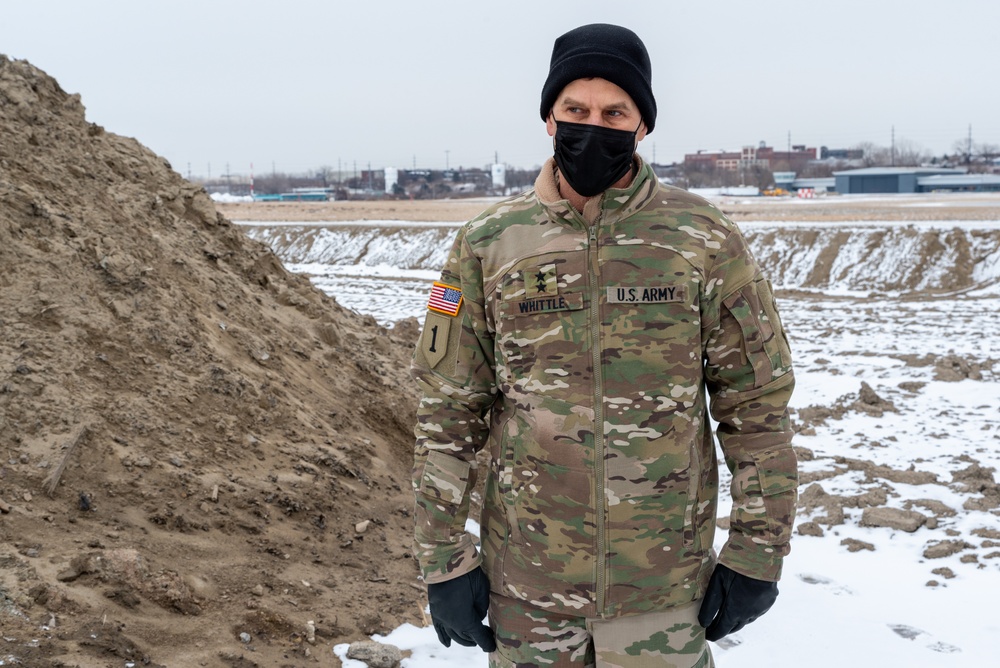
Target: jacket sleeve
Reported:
[(454, 367), (748, 372)]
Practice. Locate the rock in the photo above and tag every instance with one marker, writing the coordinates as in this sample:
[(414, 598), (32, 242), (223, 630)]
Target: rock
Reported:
[(913, 386), (362, 527), (871, 403), (803, 454), (984, 532), (311, 632), (810, 529), (854, 545), (4, 506), (375, 654), (876, 496), (953, 369), (258, 590), (983, 503), (933, 505), (944, 572), (945, 548), (79, 565), (813, 496), (974, 477), (893, 518), (811, 416)]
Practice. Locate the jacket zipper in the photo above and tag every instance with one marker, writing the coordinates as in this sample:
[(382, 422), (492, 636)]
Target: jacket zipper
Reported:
[(595, 273), (690, 530)]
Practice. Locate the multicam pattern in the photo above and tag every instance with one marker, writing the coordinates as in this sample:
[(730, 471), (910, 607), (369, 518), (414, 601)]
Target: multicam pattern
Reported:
[(530, 637), (581, 357)]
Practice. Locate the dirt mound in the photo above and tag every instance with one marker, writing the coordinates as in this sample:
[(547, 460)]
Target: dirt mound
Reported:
[(191, 438)]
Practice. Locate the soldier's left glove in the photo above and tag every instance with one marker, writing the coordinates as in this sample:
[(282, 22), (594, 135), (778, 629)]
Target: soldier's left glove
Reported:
[(457, 610), (732, 601)]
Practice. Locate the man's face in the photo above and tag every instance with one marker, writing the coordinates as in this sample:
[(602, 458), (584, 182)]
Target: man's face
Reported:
[(596, 102)]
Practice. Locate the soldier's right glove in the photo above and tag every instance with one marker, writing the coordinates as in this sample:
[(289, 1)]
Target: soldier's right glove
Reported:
[(457, 610), (732, 601)]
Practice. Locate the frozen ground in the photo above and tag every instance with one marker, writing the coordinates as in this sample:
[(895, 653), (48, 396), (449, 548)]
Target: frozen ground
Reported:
[(931, 364)]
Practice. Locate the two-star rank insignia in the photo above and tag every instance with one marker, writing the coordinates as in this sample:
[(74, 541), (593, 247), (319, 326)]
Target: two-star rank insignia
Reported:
[(542, 281)]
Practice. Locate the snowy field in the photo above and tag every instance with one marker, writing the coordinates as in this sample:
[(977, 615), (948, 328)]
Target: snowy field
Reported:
[(850, 594)]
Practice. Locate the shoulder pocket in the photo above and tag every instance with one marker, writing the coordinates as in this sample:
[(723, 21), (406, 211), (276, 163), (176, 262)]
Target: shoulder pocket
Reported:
[(766, 349)]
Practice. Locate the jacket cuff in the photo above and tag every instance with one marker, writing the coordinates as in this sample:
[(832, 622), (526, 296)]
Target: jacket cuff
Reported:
[(761, 562), (440, 563)]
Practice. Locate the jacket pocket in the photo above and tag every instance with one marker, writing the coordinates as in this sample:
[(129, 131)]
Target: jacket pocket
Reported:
[(777, 471), (766, 347), (442, 490)]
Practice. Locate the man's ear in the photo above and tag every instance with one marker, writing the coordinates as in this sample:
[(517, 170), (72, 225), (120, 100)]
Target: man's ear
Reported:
[(550, 124), (641, 134)]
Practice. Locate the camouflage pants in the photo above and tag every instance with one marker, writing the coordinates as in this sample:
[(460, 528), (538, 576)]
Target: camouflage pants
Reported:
[(530, 637)]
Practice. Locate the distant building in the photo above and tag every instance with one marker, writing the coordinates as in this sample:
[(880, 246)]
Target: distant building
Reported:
[(887, 179), (817, 185), (963, 182), (840, 153), (752, 156)]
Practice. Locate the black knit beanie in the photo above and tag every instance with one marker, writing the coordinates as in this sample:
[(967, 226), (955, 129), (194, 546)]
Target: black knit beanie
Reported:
[(606, 51)]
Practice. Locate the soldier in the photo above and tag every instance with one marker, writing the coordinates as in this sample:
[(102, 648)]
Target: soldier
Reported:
[(581, 332)]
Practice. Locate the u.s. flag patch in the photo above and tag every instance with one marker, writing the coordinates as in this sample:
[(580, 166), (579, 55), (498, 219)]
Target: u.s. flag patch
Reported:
[(445, 299)]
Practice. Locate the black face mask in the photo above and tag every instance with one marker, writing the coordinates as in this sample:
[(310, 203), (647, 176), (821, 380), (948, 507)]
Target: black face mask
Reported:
[(592, 158)]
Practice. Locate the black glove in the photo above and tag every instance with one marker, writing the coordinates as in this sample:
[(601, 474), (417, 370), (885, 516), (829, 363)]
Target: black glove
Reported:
[(733, 601), (458, 607)]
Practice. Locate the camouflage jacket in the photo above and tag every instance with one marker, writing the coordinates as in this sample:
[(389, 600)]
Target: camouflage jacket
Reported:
[(580, 349)]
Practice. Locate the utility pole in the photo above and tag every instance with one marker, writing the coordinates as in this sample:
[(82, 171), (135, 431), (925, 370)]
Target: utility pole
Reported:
[(968, 152), (893, 150)]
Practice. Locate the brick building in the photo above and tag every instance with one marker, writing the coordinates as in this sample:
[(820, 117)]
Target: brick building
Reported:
[(752, 156)]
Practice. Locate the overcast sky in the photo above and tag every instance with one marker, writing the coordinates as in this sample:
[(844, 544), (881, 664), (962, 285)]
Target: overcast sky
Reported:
[(294, 85)]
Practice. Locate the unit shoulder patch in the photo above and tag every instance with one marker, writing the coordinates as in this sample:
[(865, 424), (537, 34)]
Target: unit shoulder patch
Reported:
[(435, 338)]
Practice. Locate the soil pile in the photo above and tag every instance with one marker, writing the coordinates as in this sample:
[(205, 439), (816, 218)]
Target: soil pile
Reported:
[(202, 457)]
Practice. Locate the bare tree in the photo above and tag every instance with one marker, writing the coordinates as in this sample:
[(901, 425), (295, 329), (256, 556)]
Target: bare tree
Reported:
[(962, 149), (910, 154), (987, 151), (872, 155)]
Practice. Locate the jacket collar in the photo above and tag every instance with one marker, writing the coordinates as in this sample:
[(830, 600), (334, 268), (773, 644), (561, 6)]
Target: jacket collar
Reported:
[(614, 204)]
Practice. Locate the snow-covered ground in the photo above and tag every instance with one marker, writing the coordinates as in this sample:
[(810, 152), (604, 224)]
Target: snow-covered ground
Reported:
[(887, 603)]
